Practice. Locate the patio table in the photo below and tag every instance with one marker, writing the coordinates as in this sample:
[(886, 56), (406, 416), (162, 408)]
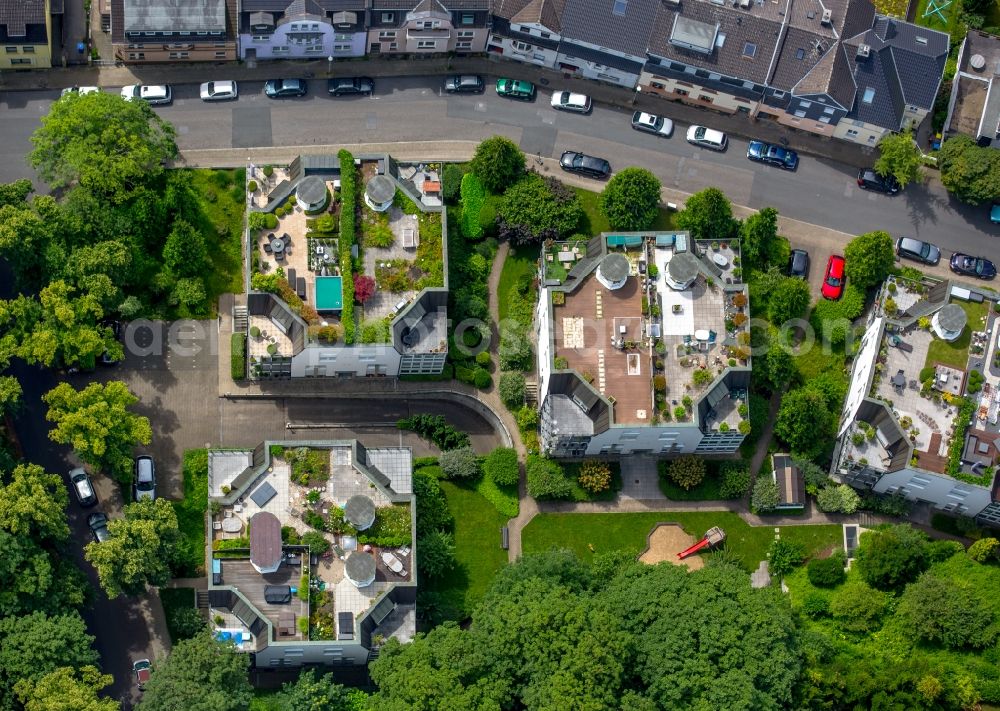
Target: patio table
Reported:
[(701, 334), (232, 525), (278, 245)]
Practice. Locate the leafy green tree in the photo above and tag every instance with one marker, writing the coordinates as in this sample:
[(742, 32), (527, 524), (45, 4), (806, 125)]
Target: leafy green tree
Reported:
[(98, 422), (188, 292), (546, 479), (61, 328), (66, 689), (102, 143), (498, 162), (511, 389), (832, 319), (858, 607), (35, 645), (36, 579), (984, 549), (15, 193), (888, 559), (735, 480), (437, 554), (758, 239), (186, 622), (815, 476), (200, 674), (707, 215), (536, 208), (185, 253), (33, 504), (112, 259), (947, 612), (970, 173), (784, 556), (899, 156), (838, 499), (26, 238), (779, 367), (432, 508), (631, 199), (502, 467), (827, 572), (687, 472), (870, 259), (460, 463), (140, 549), (311, 692), (803, 421), (788, 301), (765, 496)]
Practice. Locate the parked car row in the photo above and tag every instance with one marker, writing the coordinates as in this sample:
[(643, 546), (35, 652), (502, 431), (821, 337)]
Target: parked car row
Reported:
[(143, 487)]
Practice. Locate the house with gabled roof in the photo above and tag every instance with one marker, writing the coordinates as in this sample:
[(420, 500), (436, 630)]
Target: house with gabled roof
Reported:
[(428, 26), (25, 29), (606, 39), (527, 30), (302, 29)]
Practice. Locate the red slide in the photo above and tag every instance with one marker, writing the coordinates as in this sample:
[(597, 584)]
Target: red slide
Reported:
[(694, 549)]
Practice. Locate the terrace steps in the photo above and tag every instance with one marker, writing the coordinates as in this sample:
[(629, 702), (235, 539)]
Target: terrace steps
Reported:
[(201, 601), (241, 318)]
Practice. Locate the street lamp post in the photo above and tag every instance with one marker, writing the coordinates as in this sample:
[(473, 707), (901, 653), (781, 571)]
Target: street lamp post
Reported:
[(329, 66), (635, 97)]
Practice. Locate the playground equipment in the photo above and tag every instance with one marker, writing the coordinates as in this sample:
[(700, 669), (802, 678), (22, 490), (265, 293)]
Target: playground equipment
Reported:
[(936, 8), (713, 537)]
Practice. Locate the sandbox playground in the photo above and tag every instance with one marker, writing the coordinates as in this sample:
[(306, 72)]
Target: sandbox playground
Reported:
[(669, 542)]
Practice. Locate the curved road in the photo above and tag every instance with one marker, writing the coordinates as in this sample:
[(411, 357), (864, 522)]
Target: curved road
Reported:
[(821, 192)]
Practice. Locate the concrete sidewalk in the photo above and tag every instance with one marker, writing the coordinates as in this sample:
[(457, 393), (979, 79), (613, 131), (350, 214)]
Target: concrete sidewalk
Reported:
[(737, 124)]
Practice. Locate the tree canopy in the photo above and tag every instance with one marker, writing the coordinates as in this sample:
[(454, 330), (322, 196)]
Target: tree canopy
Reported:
[(804, 420), (870, 259), (788, 301), (707, 215), (99, 424), (200, 674), (536, 208), (631, 199), (899, 156), (103, 143), (889, 559), (67, 690), (760, 245), (498, 163), (970, 173), (33, 504), (139, 550), (555, 633)]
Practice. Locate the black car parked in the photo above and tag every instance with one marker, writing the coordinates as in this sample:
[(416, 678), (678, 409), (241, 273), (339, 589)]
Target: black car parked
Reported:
[(464, 84), (592, 167), (798, 264), (868, 179), (968, 265), (918, 250), (351, 86)]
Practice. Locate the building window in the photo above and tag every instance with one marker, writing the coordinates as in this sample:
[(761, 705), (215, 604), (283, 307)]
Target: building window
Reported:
[(657, 85), (829, 110), (871, 139), (427, 44), (468, 19), (706, 98), (220, 55), (342, 48), (851, 133), (20, 61), (463, 45), (28, 49), (545, 35), (800, 114), (393, 46), (136, 55), (778, 95), (824, 119), (677, 66), (869, 95), (521, 46), (466, 34), (805, 104), (388, 17), (680, 92), (11, 50), (386, 35), (429, 24), (179, 55), (715, 77)]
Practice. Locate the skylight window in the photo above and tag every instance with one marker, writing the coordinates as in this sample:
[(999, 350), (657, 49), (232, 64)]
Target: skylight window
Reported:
[(619, 7), (720, 39), (800, 53), (750, 50), (921, 39), (869, 95)]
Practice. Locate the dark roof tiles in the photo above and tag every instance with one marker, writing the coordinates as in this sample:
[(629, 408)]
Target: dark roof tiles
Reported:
[(595, 22), (18, 14)]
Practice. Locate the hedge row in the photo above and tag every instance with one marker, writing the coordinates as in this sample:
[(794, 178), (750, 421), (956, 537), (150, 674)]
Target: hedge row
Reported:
[(473, 198), (238, 362), (348, 206)]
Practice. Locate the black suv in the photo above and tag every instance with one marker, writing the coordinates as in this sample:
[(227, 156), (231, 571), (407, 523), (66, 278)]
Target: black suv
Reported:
[(575, 162), (464, 84), (798, 264), (868, 179), (351, 86)]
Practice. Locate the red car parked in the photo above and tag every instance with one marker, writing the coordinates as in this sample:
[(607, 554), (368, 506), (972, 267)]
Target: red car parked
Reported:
[(833, 280)]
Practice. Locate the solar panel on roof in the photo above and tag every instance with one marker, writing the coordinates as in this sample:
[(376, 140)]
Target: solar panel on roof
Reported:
[(265, 492)]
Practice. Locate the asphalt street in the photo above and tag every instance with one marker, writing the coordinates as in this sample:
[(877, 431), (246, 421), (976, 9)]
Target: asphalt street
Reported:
[(821, 191)]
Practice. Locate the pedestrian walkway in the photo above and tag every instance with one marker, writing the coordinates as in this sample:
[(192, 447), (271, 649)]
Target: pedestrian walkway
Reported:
[(610, 94)]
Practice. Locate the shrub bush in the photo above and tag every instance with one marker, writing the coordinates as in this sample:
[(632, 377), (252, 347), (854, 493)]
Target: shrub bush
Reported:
[(595, 477), (473, 198), (765, 495), (452, 181), (546, 479), (501, 466), (460, 463), (527, 419), (985, 549), (436, 429), (687, 472), (483, 359), (481, 378), (256, 221), (511, 390), (838, 499), (252, 186), (702, 377), (349, 202), (735, 481), (815, 605), (317, 542), (391, 528), (784, 556), (827, 572), (238, 360)]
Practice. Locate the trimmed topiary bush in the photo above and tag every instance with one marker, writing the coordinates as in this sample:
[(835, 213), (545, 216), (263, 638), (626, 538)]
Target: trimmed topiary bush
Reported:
[(827, 572), (501, 466)]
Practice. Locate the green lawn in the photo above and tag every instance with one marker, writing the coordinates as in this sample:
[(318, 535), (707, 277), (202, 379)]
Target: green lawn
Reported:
[(521, 261), (956, 353), (819, 358), (173, 599), (221, 202), (587, 534), (191, 515), (951, 14), (477, 549)]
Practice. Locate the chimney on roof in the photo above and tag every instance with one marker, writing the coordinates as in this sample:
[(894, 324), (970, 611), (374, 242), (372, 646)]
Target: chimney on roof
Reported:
[(864, 51), (827, 17)]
